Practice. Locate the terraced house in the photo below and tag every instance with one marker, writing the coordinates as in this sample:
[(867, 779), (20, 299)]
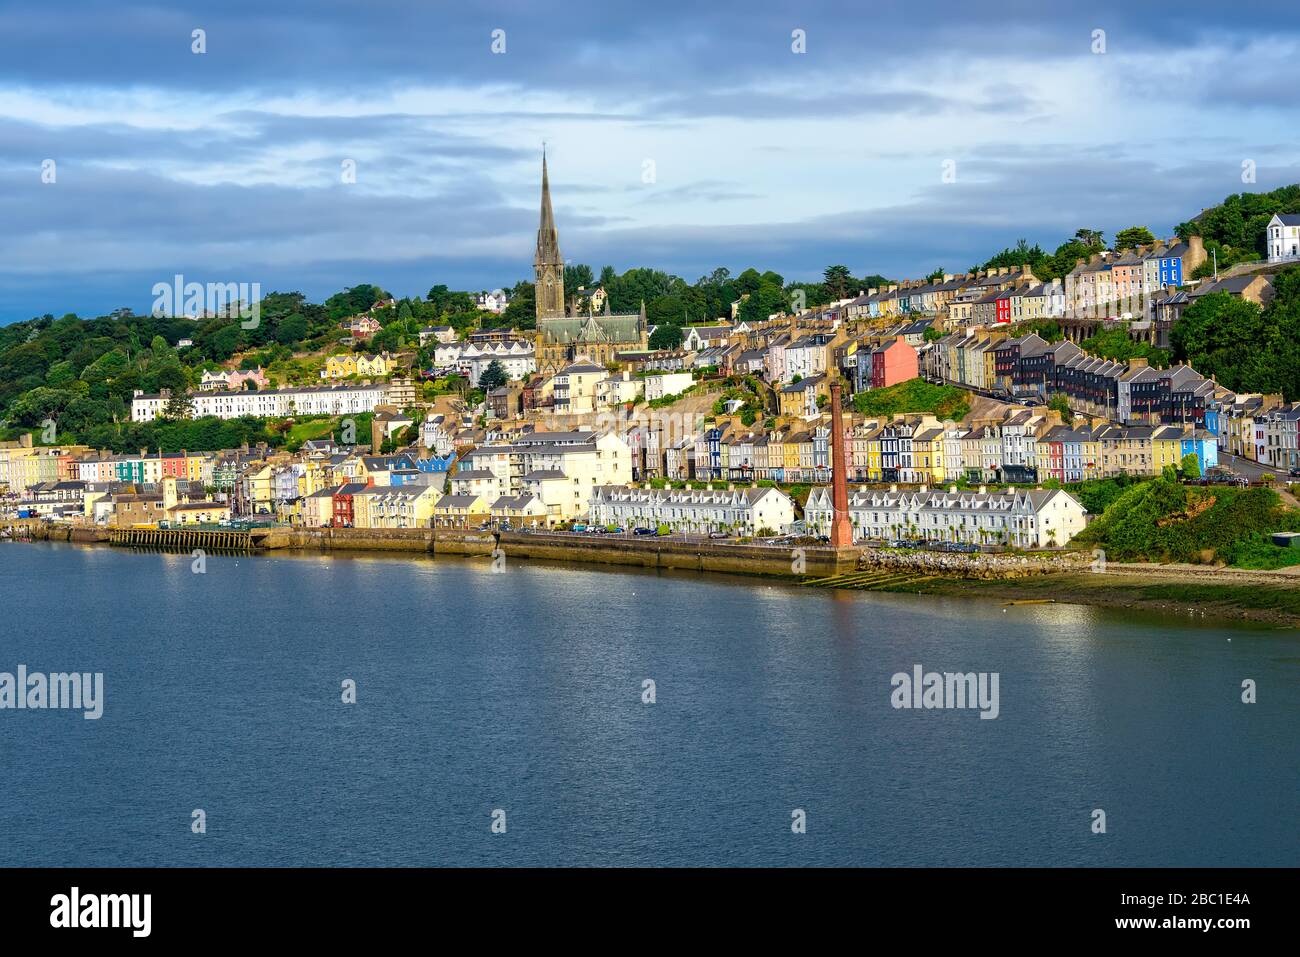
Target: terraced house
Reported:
[(1039, 518), (745, 510)]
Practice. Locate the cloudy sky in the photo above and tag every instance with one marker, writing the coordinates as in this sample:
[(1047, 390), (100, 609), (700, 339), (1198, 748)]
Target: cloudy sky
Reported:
[(682, 136)]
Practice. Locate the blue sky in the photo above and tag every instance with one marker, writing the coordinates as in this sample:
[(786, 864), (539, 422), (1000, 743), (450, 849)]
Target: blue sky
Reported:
[(682, 136)]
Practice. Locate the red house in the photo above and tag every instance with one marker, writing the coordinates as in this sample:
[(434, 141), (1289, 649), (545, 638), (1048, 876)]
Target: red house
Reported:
[(1003, 305), (892, 364), (344, 507)]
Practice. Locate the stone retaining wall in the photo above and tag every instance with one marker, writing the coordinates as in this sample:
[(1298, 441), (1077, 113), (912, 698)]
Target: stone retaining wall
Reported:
[(958, 565)]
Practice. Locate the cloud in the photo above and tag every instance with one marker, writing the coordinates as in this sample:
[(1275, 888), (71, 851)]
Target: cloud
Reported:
[(227, 165)]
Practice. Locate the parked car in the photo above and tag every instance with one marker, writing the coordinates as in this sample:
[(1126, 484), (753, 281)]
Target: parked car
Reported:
[(1295, 472), (616, 530), (719, 535), (644, 531)]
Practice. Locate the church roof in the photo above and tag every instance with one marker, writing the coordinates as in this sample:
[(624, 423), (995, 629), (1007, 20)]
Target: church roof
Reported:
[(612, 329)]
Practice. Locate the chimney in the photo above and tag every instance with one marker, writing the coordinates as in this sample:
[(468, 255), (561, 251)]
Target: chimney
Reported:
[(893, 488), (952, 490), (984, 490), (947, 277)]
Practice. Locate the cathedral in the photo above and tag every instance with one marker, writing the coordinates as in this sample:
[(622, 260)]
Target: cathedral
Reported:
[(562, 336)]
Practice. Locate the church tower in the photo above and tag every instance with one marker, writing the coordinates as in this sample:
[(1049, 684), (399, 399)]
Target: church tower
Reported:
[(548, 263)]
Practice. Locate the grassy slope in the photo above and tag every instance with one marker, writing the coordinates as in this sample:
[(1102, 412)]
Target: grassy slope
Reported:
[(1163, 521), (915, 395)]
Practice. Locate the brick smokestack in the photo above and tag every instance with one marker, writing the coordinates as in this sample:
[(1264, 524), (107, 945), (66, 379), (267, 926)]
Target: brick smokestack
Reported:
[(841, 529)]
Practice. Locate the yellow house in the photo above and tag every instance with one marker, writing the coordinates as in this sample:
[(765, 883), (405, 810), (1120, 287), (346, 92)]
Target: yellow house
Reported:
[(1090, 448), (1167, 448), (875, 471), (523, 511), (790, 455), (258, 487), (395, 506), (467, 509), (350, 364), (339, 367), (927, 454)]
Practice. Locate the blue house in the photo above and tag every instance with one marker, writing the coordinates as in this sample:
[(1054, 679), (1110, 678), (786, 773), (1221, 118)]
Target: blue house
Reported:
[(1205, 446), (1171, 265), (435, 463)]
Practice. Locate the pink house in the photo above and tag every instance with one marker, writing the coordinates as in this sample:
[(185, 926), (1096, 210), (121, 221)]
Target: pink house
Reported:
[(363, 327), (233, 381), (893, 363)]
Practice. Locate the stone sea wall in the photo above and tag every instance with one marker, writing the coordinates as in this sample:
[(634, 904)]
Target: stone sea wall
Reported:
[(981, 566)]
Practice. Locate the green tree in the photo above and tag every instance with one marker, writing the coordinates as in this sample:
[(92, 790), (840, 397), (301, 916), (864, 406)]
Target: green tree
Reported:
[(1132, 237), (838, 281), (292, 329), (1090, 237), (493, 377), (1191, 466), (578, 276), (179, 406), (666, 337)]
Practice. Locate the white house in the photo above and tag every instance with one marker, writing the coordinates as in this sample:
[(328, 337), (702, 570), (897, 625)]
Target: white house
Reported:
[(696, 338), (1023, 518), (321, 400), (670, 383), (615, 390), (495, 301), (517, 358), (1284, 237), (560, 468), (747, 510)]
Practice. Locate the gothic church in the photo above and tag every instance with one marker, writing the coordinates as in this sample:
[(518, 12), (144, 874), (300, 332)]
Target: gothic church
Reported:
[(562, 337)]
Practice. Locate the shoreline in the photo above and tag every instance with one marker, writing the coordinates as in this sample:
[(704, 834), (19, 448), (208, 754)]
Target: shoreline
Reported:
[(1170, 591)]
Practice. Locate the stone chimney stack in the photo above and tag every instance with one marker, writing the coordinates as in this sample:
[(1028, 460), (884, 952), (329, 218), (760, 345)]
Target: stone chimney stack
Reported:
[(841, 528)]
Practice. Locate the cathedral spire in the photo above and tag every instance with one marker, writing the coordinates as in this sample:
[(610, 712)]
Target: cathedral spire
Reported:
[(548, 264), (548, 237)]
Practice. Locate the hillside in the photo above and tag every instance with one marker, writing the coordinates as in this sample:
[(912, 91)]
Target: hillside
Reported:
[(915, 395), (1234, 229), (1163, 521)]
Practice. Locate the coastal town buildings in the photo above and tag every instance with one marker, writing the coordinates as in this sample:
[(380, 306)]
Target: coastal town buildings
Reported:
[(319, 400), (559, 468), (1024, 518), (747, 510)]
